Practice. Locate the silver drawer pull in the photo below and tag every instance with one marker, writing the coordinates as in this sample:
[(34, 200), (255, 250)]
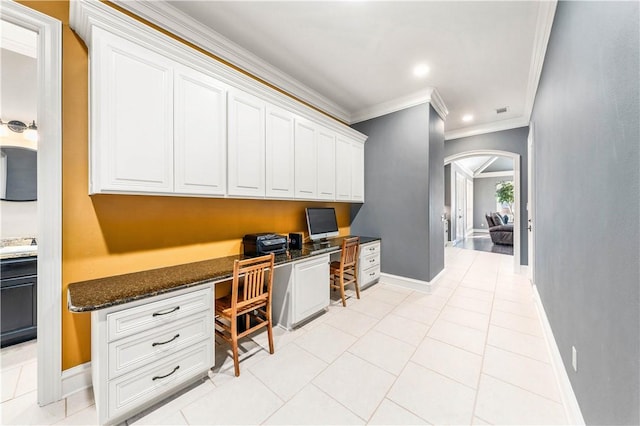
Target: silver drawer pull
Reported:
[(371, 274), (372, 260), (372, 249), (155, 314), (168, 341), (167, 375)]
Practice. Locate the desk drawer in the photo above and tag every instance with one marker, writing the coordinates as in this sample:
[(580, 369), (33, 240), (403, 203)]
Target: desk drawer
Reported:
[(370, 261), (151, 315), (369, 275), (369, 249), (142, 349), (132, 390)]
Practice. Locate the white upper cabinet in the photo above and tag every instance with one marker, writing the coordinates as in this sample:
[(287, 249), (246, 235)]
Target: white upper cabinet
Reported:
[(343, 169), (200, 133), (132, 117), (357, 171), (280, 153), (326, 164), (246, 144), (306, 177)]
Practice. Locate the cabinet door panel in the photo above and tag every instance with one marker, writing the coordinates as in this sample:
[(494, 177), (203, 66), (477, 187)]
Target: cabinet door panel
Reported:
[(200, 134), (246, 145), (343, 169), (280, 153), (305, 160), (132, 135), (311, 287), (357, 171), (326, 165)]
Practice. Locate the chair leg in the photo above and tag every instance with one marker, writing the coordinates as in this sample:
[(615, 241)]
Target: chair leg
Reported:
[(344, 301), (355, 283), (270, 334), (234, 346)]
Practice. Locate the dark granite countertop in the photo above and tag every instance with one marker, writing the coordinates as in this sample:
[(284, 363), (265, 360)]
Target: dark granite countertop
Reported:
[(105, 292)]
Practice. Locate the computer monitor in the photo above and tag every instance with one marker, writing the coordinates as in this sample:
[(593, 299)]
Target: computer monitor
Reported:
[(322, 223)]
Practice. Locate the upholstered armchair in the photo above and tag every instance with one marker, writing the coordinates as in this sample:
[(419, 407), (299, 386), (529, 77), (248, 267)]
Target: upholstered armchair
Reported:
[(499, 232)]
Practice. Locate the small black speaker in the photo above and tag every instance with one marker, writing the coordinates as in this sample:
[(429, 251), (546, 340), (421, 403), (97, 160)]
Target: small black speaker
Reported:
[(295, 241)]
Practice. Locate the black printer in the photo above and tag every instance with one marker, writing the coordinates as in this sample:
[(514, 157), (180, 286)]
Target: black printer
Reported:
[(264, 243)]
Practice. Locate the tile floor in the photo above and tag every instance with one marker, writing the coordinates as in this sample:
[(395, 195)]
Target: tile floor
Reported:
[(471, 351)]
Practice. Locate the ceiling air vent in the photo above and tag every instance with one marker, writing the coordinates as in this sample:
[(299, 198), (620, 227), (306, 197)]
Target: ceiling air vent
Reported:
[(501, 110)]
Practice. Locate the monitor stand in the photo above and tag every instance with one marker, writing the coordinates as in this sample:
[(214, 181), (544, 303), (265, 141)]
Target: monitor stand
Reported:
[(322, 243)]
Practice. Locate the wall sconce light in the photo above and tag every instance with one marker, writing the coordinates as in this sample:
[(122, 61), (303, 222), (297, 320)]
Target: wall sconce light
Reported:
[(30, 132)]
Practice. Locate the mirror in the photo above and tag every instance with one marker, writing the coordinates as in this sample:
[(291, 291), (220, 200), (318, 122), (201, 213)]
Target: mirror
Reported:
[(18, 174)]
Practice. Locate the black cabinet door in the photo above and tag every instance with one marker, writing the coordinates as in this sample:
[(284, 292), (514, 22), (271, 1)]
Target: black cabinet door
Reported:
[(18, 298)]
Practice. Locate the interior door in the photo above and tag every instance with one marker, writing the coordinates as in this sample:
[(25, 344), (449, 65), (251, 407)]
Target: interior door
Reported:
[(460, 206), (531, 203), (469, 209)]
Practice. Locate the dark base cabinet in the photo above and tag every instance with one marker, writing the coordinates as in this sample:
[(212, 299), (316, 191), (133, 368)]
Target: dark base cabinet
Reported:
[(18, 296)]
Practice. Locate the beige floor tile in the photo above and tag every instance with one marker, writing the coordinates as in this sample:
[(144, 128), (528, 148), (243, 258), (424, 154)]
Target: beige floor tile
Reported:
[(352, 322), (357, 384), (80, 400), (520, 343), (372, 307), (474, 293), (16, 355), (384, 351), (454, 272), (534, 376), (443, 291), (311, 406), (288, 370), (470, 304), (165, 418), (479, 421), (417, 312), (86, 416), (281, 337), (325, 342), (401, 328), (486, 285), (390, 413), (433, 397), (244, 400), (432, 301), (390, 294), (455, 363), (28, 380), (517, 323), (523, 309), (445, 281), (24, 410), (501, 403), (249, 353), (465, 317), (457, 335), (9, 378)]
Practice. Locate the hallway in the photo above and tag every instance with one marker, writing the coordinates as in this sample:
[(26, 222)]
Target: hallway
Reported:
[(470, 352)]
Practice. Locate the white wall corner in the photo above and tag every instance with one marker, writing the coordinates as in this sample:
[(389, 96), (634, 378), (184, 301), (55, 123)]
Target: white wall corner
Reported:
[(569, 400), (429, 95), (76, 379)]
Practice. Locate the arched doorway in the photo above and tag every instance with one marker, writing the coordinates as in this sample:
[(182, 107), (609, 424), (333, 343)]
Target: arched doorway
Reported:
[(517, 192)]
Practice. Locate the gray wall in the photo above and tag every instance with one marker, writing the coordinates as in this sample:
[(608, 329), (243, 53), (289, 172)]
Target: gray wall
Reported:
[(436, 194), (484, 198), (397, 191), (586, 132), (513, 140)]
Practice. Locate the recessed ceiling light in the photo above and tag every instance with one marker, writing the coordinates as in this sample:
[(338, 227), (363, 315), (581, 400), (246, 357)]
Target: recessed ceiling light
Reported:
[(420, 70), (467, 117)]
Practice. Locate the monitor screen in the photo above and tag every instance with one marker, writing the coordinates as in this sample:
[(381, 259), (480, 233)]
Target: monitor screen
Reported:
[(322, 222)]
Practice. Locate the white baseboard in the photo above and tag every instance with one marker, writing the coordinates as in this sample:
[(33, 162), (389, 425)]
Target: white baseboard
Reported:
[(481, 230), (75, 379), (406, 282), (572, 409)]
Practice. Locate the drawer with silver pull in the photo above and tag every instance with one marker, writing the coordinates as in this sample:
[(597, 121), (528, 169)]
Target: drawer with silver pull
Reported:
[(146, 384), (369, 275), (151, 315), (136, 351), (370, 261), (369, 249)]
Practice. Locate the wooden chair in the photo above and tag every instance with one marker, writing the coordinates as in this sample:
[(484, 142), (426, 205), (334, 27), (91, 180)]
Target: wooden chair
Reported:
[(345, 271), (250, 298)]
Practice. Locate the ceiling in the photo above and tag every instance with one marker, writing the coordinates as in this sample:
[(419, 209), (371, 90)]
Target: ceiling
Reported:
[(355, 59), (485, 165)]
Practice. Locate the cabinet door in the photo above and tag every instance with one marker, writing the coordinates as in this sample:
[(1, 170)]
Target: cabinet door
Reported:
[(343, 169), (200, 133), (246, 144), (326, 165), (357, 171), (280, 153), (132, 117), (311, 287), (305, 160)]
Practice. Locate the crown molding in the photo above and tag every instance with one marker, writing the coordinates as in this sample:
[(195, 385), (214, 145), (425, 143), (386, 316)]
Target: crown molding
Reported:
[(168, 17), (494, 126), (84, 15), (494, 174), (429, 95)]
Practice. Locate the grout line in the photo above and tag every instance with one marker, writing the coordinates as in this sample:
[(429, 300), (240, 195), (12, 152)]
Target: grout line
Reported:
[(522, 388)]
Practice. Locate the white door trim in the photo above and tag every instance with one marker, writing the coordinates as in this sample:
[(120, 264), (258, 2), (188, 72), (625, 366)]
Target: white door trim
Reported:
[(531, 205), (49, 63), (517, 183)]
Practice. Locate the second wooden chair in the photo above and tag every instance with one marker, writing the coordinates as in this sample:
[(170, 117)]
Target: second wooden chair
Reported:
[(345, 272)]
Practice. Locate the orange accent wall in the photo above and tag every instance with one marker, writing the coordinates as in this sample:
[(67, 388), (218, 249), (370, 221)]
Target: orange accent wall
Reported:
[(105, 235)]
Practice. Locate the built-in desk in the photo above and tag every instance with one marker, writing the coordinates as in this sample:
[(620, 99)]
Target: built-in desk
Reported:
[(152, 331)]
